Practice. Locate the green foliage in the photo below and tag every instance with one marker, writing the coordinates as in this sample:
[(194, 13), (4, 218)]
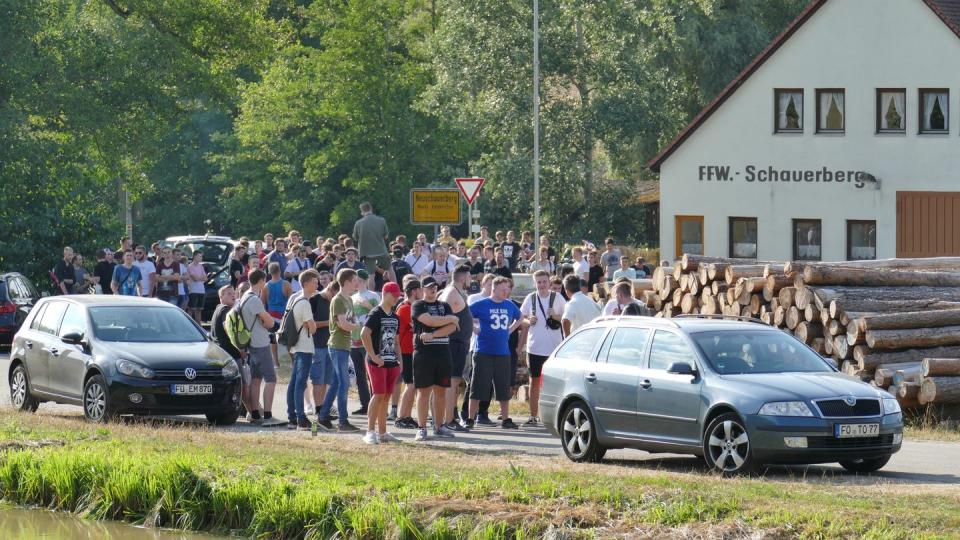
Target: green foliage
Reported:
[(261, 115)]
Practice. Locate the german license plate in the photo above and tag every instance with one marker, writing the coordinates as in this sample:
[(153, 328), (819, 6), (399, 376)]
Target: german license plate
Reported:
[(849, 431), (191, 389)]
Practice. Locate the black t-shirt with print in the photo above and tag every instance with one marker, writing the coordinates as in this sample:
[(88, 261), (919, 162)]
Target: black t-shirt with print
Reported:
[(437, 309), (104, 270), (384, 335), (511, 252)]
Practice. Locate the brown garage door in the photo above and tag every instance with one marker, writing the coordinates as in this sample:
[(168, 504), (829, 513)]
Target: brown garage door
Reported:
[(928, 224)]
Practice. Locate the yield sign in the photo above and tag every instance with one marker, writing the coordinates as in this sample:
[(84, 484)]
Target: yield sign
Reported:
[(470, 187)]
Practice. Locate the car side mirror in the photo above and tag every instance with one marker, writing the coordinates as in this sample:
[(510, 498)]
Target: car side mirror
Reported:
[(681, 368), (72, 338)]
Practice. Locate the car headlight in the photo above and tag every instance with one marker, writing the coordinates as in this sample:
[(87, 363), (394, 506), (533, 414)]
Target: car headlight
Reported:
[(134, 369), (230, 370), (785, 408), (891, 406)]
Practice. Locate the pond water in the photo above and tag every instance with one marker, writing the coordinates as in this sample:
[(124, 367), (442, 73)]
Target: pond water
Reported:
[(24, 524)]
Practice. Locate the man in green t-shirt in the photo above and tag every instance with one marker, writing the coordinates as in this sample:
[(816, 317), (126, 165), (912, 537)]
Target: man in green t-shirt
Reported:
[(342, 323)]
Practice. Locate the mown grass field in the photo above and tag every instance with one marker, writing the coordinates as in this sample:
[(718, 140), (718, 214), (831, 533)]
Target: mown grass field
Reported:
[(263, 485)]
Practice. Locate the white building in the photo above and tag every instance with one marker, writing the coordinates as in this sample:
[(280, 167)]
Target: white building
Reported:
[(841, 140)]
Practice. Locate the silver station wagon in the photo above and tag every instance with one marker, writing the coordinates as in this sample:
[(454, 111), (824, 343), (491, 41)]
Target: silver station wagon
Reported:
[(736, 392)]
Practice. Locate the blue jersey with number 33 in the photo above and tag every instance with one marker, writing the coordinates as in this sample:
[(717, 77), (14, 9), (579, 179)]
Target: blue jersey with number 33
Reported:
[(495, 319)]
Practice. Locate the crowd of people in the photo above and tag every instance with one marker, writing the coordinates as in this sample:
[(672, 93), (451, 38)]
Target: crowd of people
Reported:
[(406, 323)]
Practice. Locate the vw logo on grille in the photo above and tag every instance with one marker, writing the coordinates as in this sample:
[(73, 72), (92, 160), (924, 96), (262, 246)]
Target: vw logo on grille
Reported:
[(850, 400), (190, 373)]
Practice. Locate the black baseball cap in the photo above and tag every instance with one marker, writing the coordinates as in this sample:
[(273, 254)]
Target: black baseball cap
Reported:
[(428, 282)]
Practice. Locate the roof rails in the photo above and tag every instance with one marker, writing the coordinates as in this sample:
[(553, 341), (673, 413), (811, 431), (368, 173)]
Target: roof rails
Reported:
[(630, 317), (720, 317)]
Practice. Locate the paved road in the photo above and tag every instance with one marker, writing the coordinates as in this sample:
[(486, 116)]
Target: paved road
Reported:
[(919, 462)]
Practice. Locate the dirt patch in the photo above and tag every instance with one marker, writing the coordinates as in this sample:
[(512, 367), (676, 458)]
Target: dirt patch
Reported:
[(22, 445)]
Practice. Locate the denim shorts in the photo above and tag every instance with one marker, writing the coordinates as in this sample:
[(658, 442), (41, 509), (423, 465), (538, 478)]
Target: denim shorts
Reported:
[(321, 371)]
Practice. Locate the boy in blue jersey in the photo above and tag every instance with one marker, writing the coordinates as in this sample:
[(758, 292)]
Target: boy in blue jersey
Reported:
[(498, 317)]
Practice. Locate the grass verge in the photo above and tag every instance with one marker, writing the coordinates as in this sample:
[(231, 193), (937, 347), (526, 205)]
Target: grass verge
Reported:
[(294, 487)]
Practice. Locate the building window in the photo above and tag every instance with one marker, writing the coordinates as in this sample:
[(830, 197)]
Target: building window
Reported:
[(891, 110), (743, 238), (830, 111), (806, 239), (689, 235), (788, 110), (934, 111), (861, 240)]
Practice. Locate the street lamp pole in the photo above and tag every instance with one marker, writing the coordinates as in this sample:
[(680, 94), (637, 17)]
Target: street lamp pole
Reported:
[(536, 121)]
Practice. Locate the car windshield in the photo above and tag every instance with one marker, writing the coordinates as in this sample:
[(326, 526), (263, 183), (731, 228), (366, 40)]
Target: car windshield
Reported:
[(144, 325), (213, 252), (732, 353)]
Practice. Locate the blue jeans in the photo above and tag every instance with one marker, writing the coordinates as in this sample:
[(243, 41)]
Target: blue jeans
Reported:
[(340, 359), (298, 384), (321, 372)]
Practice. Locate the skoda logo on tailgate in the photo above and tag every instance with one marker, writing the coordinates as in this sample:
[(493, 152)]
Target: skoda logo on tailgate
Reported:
[(190, 373)]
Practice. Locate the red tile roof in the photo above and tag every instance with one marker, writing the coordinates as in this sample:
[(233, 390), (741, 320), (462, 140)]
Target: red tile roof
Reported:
[(947, 10)]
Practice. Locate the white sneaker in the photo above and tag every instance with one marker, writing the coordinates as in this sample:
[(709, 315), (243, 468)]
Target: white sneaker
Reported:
[(371, 438), (388, 438), (421, 435), (532, 421)]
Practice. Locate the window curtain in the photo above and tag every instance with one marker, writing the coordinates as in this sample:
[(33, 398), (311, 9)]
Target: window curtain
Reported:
[(783, 105), (831, 110), (892, 102), (930, 102)]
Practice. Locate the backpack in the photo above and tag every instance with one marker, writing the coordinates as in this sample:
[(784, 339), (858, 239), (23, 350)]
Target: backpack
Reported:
[(236, 327), (289, 334)]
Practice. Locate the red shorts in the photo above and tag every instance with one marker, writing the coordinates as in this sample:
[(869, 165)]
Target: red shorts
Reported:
[(382, 379)]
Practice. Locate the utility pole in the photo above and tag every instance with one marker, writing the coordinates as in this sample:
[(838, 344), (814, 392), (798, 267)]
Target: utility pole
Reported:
[(536, 121)]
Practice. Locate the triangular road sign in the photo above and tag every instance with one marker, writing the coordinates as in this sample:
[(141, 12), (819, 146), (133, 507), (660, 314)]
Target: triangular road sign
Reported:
[(470, 187)]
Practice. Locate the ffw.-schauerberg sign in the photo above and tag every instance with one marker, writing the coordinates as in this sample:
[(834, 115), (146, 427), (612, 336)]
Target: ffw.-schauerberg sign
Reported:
[(753, 173)]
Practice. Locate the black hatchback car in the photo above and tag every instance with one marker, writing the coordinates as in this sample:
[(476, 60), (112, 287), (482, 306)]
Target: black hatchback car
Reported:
[(17, 298), (116, 355)]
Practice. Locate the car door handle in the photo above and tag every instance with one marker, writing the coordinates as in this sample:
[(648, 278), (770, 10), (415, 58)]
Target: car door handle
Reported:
[(591, 377), (645, 383), (54, 351)]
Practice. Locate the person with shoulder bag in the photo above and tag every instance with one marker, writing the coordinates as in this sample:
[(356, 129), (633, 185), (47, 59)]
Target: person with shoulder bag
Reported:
[(542, 310)]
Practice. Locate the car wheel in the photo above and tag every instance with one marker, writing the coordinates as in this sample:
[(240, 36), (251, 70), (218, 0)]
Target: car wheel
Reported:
[(726, 446), (579, 434), (865, 465), (96, 400), (224, 419), (20, 391)]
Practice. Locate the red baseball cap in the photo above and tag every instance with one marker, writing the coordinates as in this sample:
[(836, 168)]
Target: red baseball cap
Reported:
[(392, 288)]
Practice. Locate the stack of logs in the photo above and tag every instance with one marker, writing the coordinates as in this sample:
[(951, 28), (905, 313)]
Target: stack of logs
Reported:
[(895, 322)]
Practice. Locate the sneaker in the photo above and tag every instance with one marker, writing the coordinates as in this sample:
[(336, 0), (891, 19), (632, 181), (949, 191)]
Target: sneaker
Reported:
[(388, 438), (304, 425), (499, 417), (469, 424), (325, 425), (267, 415), (371, 438), (360, 412), (455, 426), (317, 411), (347, 427), (393, 414), (484, 420), (334, 412), (509, 424), (532, 421), (444, 432), (421, 435), (291, 424)]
